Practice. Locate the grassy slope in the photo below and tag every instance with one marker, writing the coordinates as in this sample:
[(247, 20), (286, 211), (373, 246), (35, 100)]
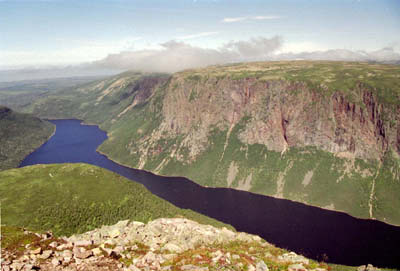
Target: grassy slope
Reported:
[(350, 194), (20, 134), (74, 198)]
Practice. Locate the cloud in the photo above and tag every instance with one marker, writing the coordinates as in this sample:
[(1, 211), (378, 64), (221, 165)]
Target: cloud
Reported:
[(271, 17), (246, 18), (384, 55), (233, 19), (175, 55), (198, 35), (69, 52)]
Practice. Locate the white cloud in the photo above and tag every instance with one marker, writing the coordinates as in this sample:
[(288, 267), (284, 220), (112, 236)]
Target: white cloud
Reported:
[(303, 46), (78, 51), (245, 18), (233, 19), (271, 17), (175, 56), (198, 35)]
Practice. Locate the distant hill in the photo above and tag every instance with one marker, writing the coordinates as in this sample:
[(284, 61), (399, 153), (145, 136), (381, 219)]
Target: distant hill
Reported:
[(74, 198), (20, 134), (17, 94), (324, 133)]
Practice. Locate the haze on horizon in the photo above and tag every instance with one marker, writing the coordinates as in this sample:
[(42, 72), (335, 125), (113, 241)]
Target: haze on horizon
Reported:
[(59, 38)]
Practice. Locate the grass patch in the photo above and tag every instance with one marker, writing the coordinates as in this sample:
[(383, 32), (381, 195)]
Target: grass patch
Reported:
[(75, 198)]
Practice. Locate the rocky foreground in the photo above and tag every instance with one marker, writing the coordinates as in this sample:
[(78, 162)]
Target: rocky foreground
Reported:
[(162, 244)]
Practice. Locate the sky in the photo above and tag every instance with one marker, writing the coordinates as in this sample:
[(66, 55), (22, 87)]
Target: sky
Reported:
[(109, 32)]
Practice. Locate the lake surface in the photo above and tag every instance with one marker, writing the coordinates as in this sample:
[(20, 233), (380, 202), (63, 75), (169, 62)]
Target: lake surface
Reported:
[(316, 233)]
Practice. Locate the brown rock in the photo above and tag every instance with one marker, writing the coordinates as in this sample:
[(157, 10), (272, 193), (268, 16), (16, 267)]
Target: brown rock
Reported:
[(82, 253)]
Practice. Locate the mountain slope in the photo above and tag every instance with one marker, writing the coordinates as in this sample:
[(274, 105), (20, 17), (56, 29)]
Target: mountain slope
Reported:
[(162, 244), (74, 198), (322, 133), (20, 134)]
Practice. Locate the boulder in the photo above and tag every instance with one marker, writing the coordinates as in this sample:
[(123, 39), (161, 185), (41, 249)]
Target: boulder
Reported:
[(83, 243), (55, 262), (97, 251), (261, 266), (114, 233), (82, 253), (36, 251), (46, 254)]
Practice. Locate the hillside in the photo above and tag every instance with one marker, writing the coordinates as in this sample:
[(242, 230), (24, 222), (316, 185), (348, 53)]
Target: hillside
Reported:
[(20, 134), (163, 244), (20, 93), (322, 133), (74, 198)]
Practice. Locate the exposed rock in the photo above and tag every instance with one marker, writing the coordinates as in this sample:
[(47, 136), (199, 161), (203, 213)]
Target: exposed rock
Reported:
[(36, 251), (369, 267), (195, 246), (261, 266), (114, 233), (97, 251), (46, 254), (83, 243), (297, 267), (194, 268), (172, 247), (55, 261), (294, 258), (82, 253)]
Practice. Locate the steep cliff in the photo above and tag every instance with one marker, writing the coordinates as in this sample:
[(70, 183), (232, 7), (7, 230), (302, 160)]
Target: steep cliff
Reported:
[(323, 133)]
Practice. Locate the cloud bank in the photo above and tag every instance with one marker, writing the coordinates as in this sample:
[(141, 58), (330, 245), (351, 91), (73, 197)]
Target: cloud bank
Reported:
[(175, 56)]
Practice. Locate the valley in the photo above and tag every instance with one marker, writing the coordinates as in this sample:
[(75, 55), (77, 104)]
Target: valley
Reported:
[(199, 135), (323, 133)]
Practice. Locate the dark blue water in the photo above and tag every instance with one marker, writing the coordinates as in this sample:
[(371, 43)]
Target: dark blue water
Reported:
[(319, 234)]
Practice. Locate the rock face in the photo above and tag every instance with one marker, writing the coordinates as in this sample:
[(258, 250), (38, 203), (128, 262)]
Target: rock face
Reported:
[(276, 133), (321, 133), (163, 244), (281, 115)]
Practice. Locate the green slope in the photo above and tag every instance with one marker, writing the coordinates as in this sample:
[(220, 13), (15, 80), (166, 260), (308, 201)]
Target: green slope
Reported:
[(20, 134), (74, 198), (196, 124)]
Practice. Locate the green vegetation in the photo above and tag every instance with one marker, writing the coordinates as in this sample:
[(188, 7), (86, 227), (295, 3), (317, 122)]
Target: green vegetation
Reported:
[(139, 136), (74, 198), (20, 134), (306, 175), (18, 94), (325, 76)]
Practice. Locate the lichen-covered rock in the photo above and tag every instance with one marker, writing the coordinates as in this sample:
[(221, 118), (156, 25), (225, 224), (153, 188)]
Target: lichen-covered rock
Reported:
[(166, 245)]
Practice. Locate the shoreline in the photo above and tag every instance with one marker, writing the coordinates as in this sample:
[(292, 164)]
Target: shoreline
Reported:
[(83, 122), (254, 193), (51, 135)]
